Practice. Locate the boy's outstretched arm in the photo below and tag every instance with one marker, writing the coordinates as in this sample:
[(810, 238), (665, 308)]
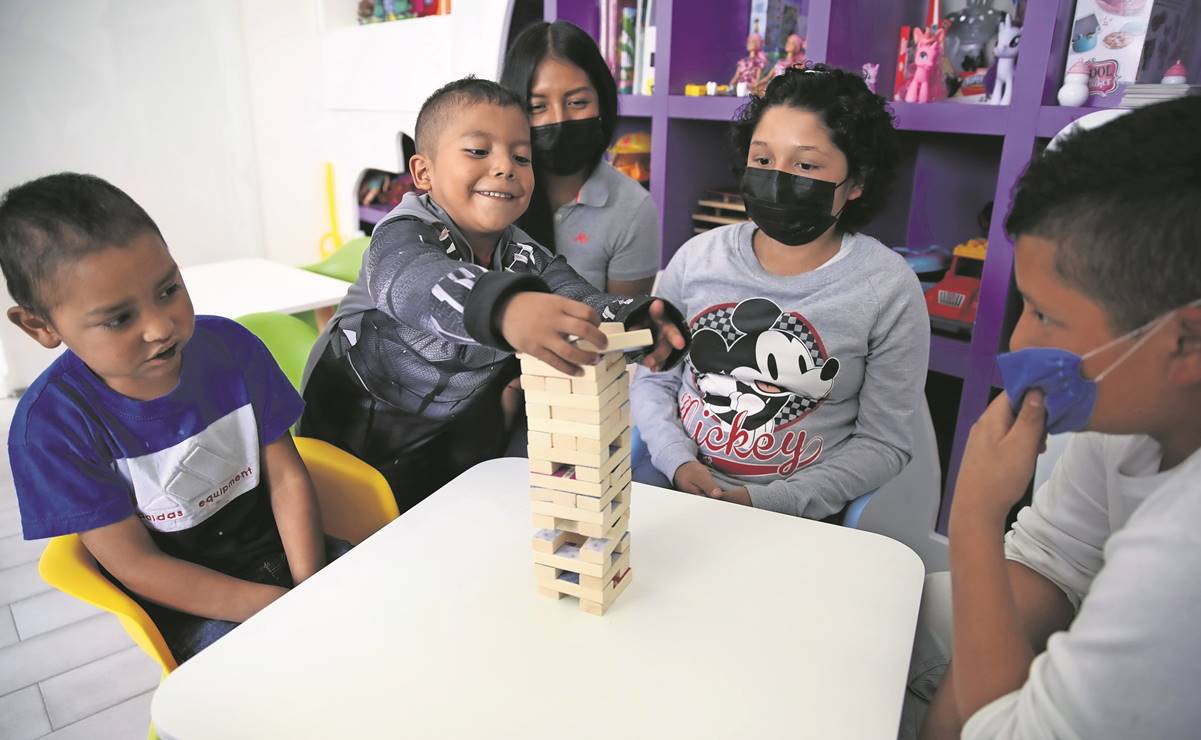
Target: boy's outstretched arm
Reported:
[(126, 550), (294, 505)]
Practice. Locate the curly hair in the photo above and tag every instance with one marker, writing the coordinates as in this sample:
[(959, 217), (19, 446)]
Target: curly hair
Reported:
[(858, 121), (1120, 204)]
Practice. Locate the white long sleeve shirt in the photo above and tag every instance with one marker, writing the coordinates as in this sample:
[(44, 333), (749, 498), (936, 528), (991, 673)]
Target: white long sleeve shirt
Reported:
[(1123, 542)]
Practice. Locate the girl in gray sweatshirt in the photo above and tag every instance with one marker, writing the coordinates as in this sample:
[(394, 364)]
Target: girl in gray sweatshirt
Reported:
[(810, 340)]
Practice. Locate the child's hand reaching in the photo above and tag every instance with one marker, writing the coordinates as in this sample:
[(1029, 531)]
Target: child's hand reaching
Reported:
[(668, 338), (538, 324)]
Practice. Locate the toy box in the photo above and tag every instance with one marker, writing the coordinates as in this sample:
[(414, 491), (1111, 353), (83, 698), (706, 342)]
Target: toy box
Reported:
[(1111, 35)]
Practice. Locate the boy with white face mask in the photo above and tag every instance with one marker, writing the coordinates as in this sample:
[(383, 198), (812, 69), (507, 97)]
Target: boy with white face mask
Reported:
[(1080, 622)]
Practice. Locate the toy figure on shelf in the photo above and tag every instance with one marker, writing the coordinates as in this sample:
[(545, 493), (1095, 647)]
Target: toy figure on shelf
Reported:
[(793, 56), (871, 73), (750, 67), (1075, 84), (1009, 37), (970, 31), (1175, 75), (925, 82)]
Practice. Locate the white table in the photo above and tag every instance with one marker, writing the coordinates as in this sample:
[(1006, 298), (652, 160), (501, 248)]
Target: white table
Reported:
[(235, 288), (738, 624), (232, 288)]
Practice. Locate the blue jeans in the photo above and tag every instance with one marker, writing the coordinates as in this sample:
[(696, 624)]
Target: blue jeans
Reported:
[(188, 634)]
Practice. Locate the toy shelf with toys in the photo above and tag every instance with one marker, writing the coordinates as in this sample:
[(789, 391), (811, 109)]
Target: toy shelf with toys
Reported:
[(957, 157)]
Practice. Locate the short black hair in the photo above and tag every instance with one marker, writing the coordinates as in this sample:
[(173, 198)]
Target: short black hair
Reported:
[(438, 108), (858, 120), (1122, 204), (570, 43), (61, 218)]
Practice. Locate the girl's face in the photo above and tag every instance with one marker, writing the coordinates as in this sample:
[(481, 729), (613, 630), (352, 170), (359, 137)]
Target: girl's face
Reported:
[(796, 141), (561, 91)]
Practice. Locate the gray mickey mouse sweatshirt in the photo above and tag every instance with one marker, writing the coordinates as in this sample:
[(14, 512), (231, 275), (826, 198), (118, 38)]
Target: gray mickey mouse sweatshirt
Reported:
[(800, 388)]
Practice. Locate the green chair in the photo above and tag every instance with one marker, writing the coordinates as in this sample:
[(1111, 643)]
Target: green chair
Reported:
[(345, 262), (288, 339)]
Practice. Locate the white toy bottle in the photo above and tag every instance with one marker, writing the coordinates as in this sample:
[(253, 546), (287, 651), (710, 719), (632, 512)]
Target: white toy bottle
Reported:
[(1075, 85)]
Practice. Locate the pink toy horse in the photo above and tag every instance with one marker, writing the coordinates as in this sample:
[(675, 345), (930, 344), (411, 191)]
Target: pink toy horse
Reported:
[(924, 84)]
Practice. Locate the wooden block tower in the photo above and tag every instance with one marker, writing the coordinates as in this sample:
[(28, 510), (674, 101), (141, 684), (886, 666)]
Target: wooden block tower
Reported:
[(579, 450)]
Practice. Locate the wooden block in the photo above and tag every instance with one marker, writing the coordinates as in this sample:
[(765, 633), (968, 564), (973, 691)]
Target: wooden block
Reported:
[(601, 434), (544, 517), (598, 503), (583, 416), (567, 558), (545, 467), (598, 549), (539, 439), (566, 481), (533, 383), (620, 562), (550, 593), (556, 385), (620, 341), (549, 540), (606, 371), (549, 495), (612, 591), (563, 441), (537, 411), (617, 450), (597, 398)]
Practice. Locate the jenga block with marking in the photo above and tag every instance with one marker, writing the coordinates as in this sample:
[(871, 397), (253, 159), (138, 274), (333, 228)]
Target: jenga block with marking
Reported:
[(601, 434), (612, 591), (598, 549), (549, 540), (544, 517), (581, 584), (620, 562)]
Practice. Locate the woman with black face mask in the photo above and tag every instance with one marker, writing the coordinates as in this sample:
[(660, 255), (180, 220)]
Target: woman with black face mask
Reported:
[(810, 338), (602, 222)]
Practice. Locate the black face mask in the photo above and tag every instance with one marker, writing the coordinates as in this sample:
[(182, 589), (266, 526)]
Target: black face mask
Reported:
[(791, 209), (567, 147)]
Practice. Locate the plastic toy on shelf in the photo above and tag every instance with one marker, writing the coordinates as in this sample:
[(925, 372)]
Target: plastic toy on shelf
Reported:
[(794, 55), (750, 68), (924, 82), (631, 156), (1009, 36), (1175, 75), (1075, 84), (952, 302), (871, 75)]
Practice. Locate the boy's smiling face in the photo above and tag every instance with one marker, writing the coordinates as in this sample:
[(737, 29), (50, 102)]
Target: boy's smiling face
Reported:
[(479, 171), (124, 311)]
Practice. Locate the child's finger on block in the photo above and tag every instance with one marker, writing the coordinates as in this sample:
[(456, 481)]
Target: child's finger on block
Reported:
[(581, 311), (571, 353), (558, 363)]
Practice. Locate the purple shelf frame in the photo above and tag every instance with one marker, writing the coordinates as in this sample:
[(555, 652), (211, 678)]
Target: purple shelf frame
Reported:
[(372, 214), (700, 42)]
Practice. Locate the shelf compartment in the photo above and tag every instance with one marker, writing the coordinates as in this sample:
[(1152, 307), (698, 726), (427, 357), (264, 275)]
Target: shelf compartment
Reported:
[(949, 355), (704, 108), (640, 106), (952, 118)]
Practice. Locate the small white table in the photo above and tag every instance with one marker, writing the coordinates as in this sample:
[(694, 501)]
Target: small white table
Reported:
[(235, 288), (738, 624)]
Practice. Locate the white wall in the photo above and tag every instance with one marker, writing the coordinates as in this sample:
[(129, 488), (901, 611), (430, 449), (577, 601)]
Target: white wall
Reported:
[(324, 89), (152, 96)]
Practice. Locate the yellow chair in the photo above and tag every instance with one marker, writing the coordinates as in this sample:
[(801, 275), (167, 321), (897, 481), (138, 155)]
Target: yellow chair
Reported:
[(355, 501)]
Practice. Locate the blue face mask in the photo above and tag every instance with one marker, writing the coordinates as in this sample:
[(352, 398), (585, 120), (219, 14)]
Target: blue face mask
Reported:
[(1069, 396)]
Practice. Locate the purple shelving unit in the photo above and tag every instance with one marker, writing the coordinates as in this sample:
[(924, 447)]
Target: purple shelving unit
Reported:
[(955, 157)]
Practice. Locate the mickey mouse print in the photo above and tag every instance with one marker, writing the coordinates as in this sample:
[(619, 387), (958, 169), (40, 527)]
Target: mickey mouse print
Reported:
[(759, 369)]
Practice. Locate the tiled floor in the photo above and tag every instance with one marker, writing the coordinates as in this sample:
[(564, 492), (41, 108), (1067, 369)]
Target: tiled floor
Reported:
[(67, 671)]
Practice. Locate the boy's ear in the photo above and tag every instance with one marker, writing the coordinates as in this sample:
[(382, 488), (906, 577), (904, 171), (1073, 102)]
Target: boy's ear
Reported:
[(420, 168), (1188, 344), (35, 326)]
